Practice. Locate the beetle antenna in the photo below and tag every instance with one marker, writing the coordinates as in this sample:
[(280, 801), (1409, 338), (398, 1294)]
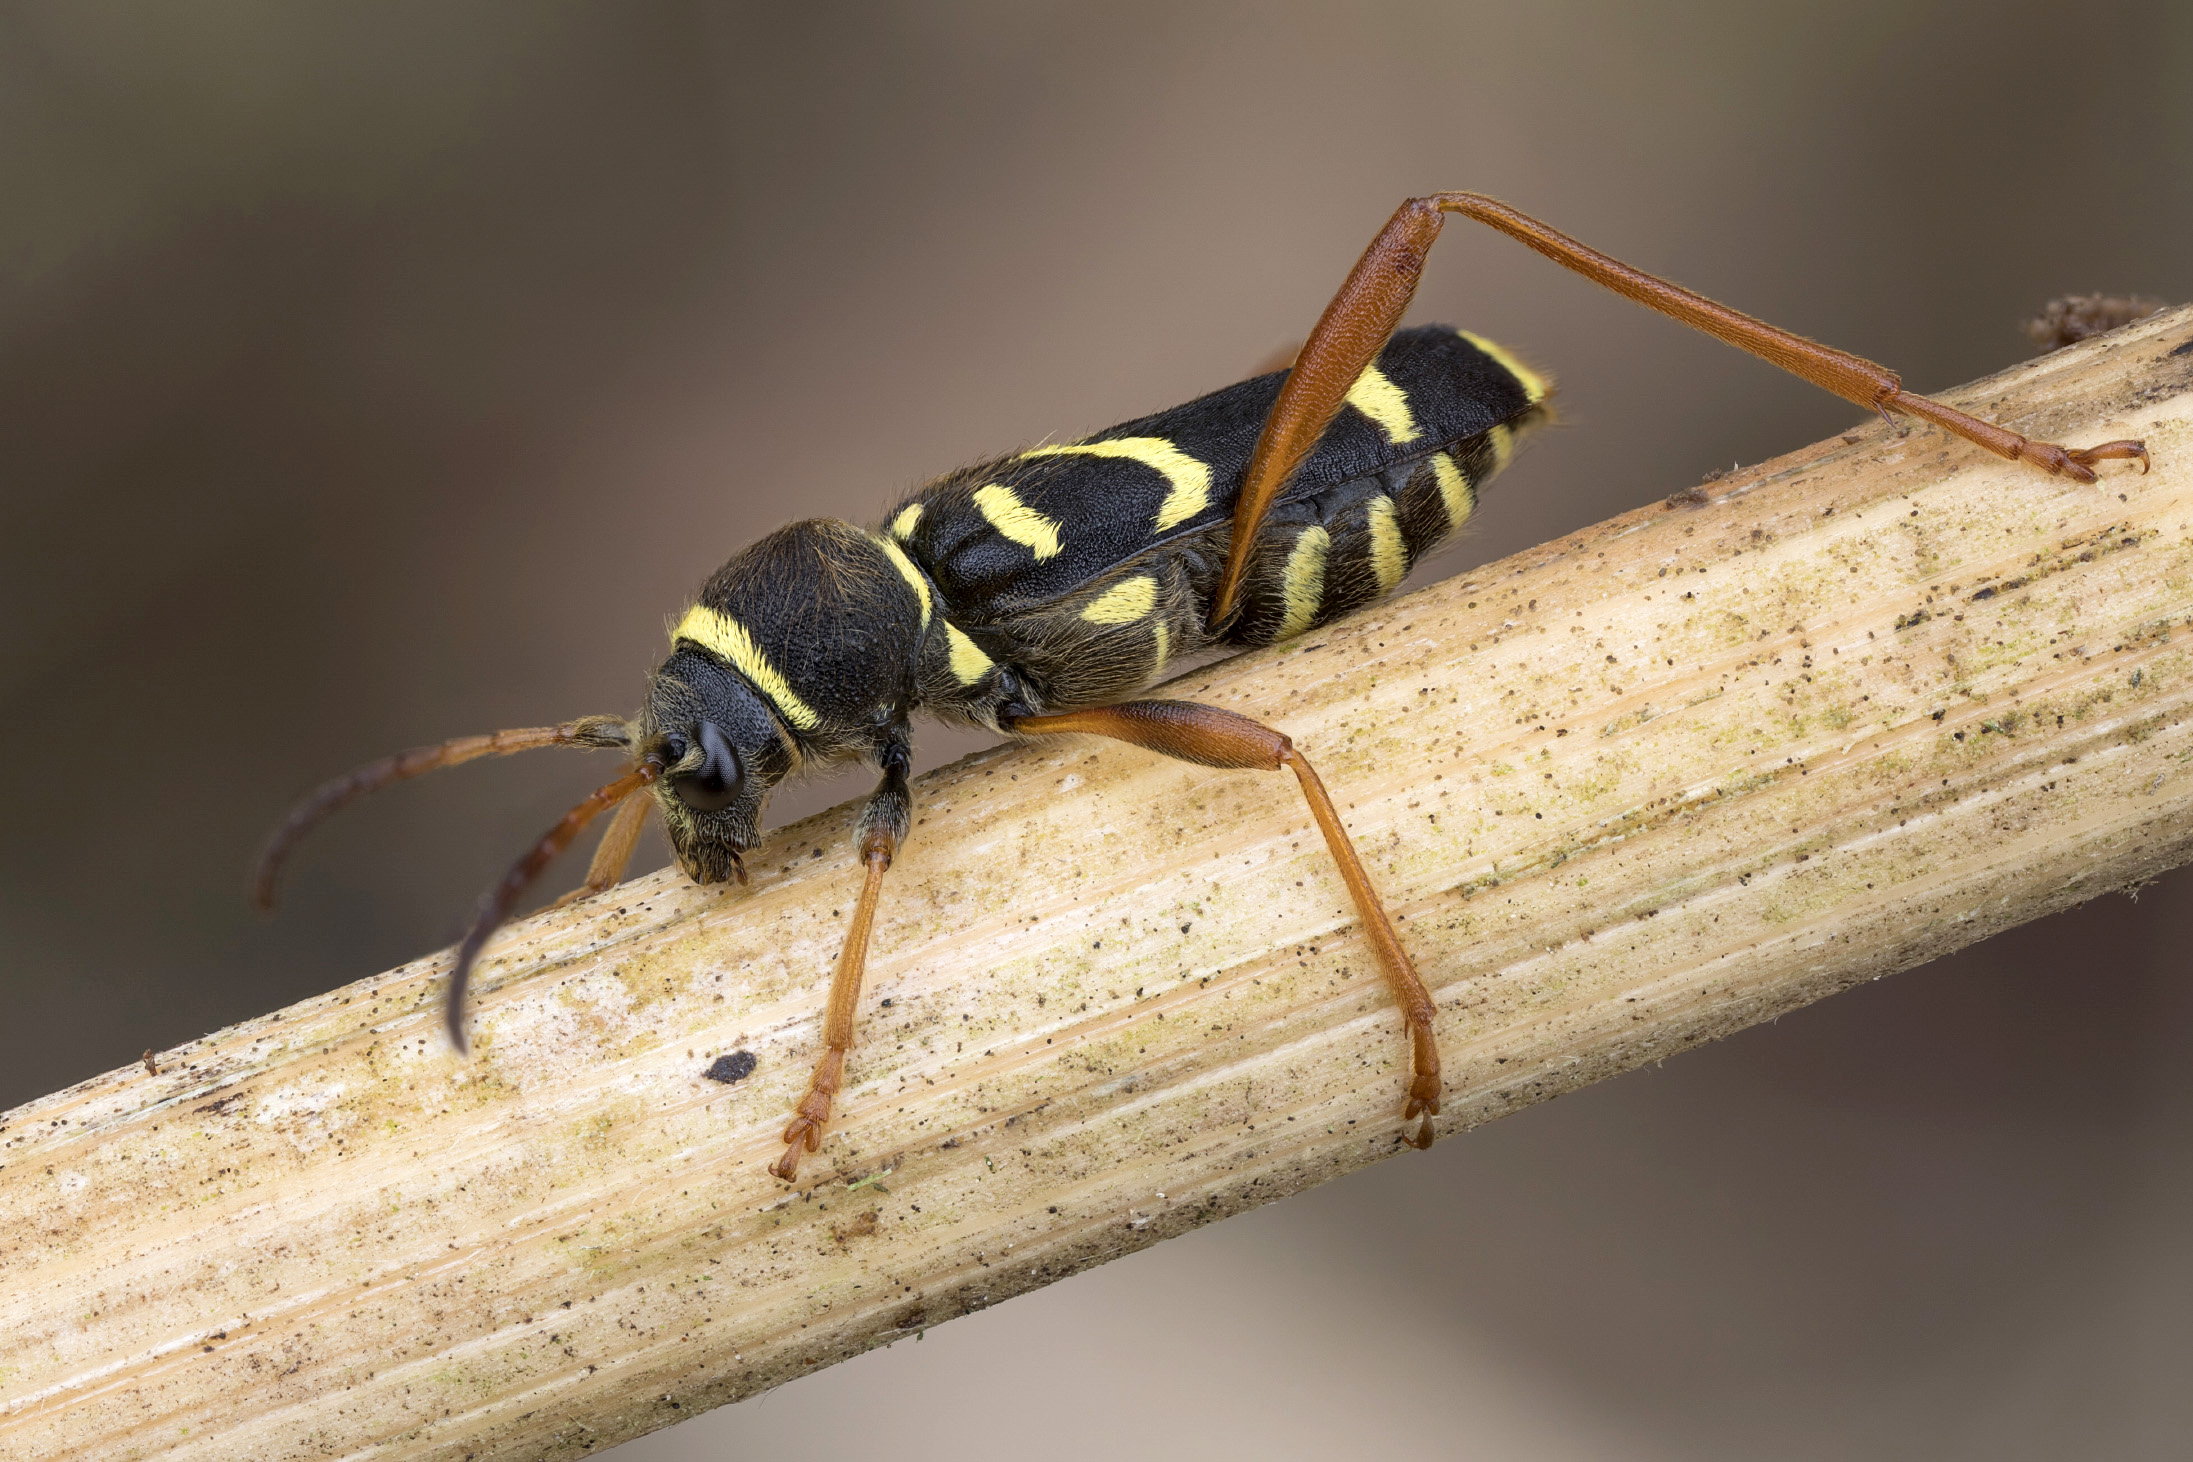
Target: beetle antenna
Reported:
[(496, 904), (588, 732)]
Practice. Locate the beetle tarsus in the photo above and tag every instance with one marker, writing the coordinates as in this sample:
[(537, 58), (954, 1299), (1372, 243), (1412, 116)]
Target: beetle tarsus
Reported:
[(802, 1136)]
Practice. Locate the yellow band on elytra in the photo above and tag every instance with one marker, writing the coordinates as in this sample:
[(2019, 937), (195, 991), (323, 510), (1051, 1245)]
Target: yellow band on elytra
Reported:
[(1191, 479), (1535, 386), (1017, 521), (1377, 397)]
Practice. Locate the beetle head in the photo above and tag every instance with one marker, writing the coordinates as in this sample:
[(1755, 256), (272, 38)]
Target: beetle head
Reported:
[(722, 749)]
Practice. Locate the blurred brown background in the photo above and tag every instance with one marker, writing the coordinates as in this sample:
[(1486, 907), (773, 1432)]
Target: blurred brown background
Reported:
[(369, 375)]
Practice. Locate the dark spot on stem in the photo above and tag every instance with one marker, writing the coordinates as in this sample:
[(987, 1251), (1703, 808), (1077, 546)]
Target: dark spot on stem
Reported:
[(735, 1067)]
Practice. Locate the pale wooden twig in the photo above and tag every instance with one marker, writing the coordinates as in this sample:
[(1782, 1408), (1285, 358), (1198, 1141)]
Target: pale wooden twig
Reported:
[(1629, 791)]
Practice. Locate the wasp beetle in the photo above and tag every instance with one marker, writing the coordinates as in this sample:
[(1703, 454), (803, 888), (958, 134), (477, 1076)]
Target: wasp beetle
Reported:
[(1032, 594)]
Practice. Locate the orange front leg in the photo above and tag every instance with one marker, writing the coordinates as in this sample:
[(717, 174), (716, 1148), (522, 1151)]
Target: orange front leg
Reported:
[(883, 826), (812, 1115)]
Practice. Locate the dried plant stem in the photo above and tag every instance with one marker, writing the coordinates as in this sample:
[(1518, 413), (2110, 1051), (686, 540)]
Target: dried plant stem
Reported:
[(1627, 792)]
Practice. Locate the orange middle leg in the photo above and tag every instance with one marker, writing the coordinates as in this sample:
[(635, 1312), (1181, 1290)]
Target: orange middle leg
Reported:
[(1212, 737)]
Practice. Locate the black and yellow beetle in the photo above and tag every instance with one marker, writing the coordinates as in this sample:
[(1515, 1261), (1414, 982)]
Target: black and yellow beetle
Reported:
[(1029, 595)]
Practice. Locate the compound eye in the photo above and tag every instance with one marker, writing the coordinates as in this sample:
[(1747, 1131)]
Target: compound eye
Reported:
[(715, 785)]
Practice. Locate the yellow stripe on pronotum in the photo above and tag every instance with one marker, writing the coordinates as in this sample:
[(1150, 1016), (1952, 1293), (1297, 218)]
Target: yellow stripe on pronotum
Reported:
[(908, 572), (1190, 479), (727, 639), (902, 526), (1535, 386), (1017, 521), (1389, 555), (1303, 584), (1123, 603), (968, 662), (1377, 397)]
